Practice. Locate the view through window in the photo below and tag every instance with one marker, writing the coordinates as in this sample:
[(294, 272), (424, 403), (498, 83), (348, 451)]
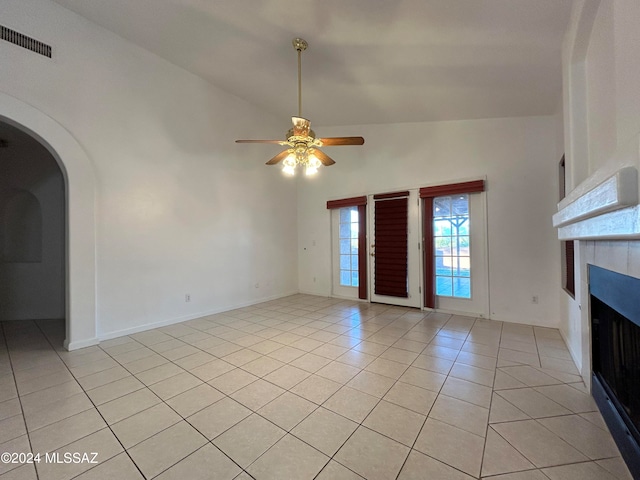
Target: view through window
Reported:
[(452, 252), (348, 238)]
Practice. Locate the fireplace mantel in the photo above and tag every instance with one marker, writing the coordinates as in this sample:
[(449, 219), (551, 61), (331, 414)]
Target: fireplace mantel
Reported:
[(605, 206)]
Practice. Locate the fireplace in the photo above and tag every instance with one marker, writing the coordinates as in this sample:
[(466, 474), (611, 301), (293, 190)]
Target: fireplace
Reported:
[(615, 334)]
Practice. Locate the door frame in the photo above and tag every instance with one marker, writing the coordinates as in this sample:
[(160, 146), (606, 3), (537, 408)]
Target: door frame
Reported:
[(363, 278)]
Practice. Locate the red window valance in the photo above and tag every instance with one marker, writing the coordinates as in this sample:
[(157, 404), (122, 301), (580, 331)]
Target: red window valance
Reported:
[(347, 202), (452, 188)]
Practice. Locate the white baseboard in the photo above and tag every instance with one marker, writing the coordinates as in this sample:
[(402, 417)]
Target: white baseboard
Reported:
[(340, 297), (89, 342), (578, 362), (172, 321), (523, 321), (315, 294), (456, 312)]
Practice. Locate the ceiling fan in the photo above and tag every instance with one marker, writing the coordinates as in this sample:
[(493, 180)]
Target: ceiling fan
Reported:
[(304, 147)]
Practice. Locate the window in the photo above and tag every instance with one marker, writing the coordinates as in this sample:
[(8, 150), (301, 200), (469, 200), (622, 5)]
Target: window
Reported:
[(348, 230), (567, 253), (569, 268), (451, 246)]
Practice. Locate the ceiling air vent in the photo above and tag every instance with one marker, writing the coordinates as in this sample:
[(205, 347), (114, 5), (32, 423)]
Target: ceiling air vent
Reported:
[(24, 41)]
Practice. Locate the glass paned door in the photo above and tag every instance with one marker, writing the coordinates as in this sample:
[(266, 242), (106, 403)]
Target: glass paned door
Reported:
[(460, 253), (345, 227)]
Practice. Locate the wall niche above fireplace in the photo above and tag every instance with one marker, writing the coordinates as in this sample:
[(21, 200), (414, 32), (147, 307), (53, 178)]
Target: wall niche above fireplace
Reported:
[(615, 334)]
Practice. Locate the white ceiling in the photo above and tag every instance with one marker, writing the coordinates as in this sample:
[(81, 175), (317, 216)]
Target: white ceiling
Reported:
[(369, 61)]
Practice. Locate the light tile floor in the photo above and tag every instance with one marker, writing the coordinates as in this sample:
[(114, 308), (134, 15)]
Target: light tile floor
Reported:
[(301, 388)]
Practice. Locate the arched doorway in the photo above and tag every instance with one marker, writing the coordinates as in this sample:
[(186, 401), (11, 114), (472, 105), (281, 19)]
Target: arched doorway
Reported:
[(80, 269), (32, 226)]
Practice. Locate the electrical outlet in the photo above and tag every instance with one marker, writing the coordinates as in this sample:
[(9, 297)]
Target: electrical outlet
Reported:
[(187, 297), (534, 299)]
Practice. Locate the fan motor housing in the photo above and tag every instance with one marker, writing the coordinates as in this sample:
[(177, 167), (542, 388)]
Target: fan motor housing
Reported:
[(290, 133)]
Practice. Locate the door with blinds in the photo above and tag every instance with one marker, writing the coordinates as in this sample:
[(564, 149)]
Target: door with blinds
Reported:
[(394, 249)]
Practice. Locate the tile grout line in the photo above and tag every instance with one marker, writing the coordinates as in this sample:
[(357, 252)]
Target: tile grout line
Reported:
[(253, 412), (386, 321), (99, 413), (489, 408), (332, 457), (360, 369), (361, 424), (406, 368), (319, 406), (24, 417), (498, 433), (166, 428), (486, 432), (536, 420)]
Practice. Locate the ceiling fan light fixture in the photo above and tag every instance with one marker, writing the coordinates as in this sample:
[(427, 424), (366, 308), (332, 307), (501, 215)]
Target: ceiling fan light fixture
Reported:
[(314, 161), (303, 157), (289, 170), (302, 142), (312, 165), (289, 164)]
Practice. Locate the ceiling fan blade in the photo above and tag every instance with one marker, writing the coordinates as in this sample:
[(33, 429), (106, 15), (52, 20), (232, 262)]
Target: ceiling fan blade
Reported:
[(301, 126), (336, 141), (279, 157), (279, 142), (325, 159)]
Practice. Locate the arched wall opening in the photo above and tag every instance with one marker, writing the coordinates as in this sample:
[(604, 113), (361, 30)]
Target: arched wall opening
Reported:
[(32, 226), (80, 242)]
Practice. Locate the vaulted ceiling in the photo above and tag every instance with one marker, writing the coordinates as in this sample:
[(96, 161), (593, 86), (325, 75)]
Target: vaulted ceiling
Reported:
[(369, 61)]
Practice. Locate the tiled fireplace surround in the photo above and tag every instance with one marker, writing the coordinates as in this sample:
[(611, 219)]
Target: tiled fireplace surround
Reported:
[(602, 215), (622, 256)]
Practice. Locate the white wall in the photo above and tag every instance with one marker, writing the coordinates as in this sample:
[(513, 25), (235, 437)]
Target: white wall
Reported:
[(601, 98), (33, 289), (180, 207), (518, 156), (603, 39)]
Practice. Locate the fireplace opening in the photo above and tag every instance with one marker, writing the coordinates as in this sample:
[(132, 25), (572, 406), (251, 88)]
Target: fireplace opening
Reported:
[(616, 360), (615, 335)]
